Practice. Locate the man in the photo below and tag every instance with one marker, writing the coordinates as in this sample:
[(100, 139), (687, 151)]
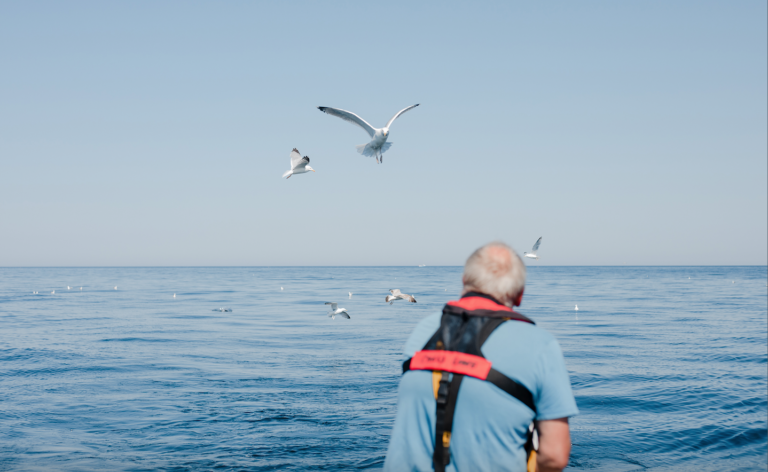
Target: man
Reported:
[(477, 376)]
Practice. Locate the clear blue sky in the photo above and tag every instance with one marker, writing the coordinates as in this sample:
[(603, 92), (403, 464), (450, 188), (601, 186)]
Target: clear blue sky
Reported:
[(156, 133)]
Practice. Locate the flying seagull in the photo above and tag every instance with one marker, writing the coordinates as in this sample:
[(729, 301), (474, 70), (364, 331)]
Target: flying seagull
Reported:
[(532, 254), (396, 295), (335, 310), (378, 144), (299, 165)]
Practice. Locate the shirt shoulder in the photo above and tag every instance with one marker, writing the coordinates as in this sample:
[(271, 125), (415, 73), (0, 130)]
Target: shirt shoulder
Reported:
[(533, 357)]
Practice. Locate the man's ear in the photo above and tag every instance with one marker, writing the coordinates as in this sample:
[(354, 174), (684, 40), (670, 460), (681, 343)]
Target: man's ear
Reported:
[(519, 298)]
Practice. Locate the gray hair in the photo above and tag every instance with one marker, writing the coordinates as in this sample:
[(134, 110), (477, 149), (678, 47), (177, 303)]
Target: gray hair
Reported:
[(496, 270)]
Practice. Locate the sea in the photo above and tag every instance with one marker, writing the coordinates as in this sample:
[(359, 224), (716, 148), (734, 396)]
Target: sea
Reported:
[(104, 369)]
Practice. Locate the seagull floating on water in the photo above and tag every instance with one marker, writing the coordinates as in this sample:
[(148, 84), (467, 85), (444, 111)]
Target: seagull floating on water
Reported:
[(281, 288), (115, 287), (350, 295), (174, 295), (335, 310), (68, 287), (299, 165), (52, 293), (535, 248), (378, 144), (396, 295), (577, 308), (224, 310)]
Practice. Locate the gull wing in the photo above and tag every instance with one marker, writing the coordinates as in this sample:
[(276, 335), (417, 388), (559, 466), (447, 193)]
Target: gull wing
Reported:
[(302, 163), (389, 123), (333, 305), (351, 117), (344, 314), (410, 298), (395, 291), (295, 158), (536, 246)]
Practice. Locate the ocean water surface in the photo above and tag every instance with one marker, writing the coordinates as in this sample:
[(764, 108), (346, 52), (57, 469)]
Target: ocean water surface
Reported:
[(669, 365)]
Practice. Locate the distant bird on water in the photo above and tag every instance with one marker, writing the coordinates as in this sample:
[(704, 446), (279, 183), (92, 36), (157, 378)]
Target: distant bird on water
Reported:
[(577, 308), (174, 295), (299, 165), (396, 295), (378, 144), (350, 295), (223, 310), (535, 248), (53, 293), (335, 310)]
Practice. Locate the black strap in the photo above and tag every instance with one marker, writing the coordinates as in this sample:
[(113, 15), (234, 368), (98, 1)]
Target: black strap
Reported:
[(512, 387), (447, 394), (486, 331)]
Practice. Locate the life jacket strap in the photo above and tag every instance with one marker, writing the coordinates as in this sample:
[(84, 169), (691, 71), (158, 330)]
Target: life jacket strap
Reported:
[(447, 394), (441, 361)]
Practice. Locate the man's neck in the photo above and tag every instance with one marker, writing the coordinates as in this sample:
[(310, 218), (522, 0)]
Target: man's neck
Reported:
[(482, 295)]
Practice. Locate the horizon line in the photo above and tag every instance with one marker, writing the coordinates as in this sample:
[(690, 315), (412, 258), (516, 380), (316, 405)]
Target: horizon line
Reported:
[(354, 266)]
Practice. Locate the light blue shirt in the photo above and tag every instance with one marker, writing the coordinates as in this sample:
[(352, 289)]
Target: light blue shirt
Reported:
[(489, 425)]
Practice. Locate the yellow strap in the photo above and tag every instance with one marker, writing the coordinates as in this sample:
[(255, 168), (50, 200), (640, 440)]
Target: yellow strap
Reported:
[(436, 376), (532, 462), (446, 439)]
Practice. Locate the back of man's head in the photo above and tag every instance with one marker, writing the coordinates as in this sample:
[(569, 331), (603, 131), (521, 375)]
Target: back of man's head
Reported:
[(496, 270)]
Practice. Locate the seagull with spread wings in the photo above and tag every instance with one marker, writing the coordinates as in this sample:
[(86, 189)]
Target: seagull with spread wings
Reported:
[(378, 144), (299, 165), (532, 254), (396, 295), (335, 310)]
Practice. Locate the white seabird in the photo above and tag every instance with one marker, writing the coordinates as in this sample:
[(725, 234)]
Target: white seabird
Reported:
[(68, 287), (577, 308), (53, 293), (224, 310), (378, 144), (115, 287), (535, 248), (396, 295), (350, 295), (299, 165), (174, 295), (335, 310)]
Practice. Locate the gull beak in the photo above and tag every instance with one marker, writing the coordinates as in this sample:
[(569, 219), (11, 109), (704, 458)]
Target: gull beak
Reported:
[(313, 170)]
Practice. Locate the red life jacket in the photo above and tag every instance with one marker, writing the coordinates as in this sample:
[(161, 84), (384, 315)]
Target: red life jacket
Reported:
[(456, 348)]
